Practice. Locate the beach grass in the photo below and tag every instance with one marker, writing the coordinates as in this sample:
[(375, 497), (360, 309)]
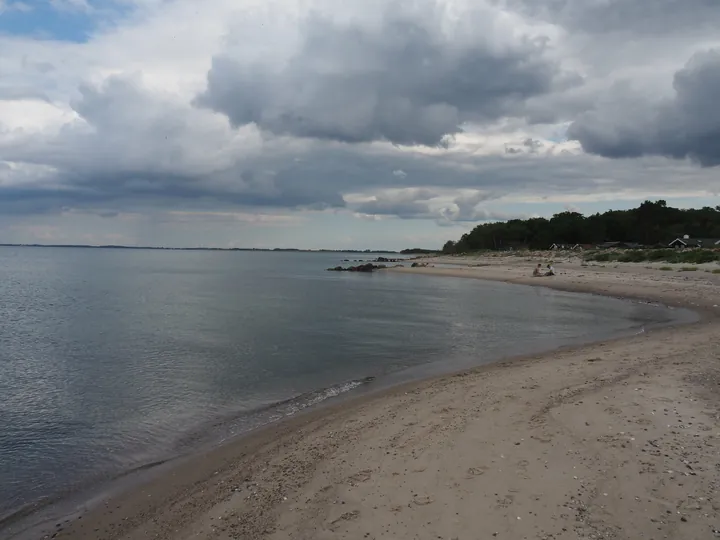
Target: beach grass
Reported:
[(694, 256)]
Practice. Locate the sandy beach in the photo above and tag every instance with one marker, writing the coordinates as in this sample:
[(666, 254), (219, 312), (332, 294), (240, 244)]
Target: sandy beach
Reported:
[(619, 439)]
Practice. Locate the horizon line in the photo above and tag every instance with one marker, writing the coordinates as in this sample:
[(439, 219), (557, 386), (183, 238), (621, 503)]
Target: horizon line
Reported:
[(199, 248)]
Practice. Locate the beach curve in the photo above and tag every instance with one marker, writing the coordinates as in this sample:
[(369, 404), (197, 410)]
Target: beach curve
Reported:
[(567, 444)]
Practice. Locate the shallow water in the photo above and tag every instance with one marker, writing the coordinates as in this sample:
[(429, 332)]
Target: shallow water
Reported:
[(110, 359)]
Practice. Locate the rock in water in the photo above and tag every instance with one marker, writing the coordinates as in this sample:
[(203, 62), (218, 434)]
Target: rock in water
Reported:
[(368, 267)]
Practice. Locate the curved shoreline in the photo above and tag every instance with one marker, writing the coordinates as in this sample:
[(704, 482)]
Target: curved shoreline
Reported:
[(518, 274), (126, 514)]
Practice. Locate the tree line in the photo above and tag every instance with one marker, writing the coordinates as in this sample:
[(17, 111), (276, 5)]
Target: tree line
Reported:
[(651, 224)]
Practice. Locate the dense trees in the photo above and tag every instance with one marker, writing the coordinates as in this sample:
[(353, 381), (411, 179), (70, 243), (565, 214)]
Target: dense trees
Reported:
[(651, 223)]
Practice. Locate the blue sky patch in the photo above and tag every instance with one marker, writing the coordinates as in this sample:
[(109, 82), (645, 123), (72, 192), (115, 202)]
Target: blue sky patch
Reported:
[(61, 20)]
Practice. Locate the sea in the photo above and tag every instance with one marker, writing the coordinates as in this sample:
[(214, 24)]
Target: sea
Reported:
[(113, 359)]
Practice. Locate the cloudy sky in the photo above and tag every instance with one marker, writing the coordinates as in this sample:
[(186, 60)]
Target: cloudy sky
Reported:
[(354, 123)]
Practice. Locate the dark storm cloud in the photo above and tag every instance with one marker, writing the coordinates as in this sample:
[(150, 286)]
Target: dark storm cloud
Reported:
[(406, 204), (319, 177), (639, 17), (407, 82), (528, 146), (414, 203), (401, 76), (136, 151), (405, 210), (135, 147), (686, 126), (467, 207)]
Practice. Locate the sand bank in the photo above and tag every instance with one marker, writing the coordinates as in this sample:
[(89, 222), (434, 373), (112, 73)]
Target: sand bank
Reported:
[(613, 440), (699, 289)]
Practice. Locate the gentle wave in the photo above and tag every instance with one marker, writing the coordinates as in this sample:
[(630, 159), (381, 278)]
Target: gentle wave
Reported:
[(314, 398), (289, 407), (236, 423), (253, 419)]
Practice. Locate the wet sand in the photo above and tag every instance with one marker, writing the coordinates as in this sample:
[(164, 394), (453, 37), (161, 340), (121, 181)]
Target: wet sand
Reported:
[(619, 439)]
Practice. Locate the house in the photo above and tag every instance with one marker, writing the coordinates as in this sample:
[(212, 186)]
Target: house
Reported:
[(690, 243), (708, 243), (680, 243)]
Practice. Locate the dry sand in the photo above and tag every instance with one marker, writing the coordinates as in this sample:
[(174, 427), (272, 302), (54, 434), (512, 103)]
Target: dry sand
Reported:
[(613, 440)]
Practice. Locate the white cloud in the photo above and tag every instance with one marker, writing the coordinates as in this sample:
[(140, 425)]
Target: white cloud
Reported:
[(71, 5), (113, 124)]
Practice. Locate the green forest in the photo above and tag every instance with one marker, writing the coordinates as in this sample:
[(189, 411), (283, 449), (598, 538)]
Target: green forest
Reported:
[(652, 224)]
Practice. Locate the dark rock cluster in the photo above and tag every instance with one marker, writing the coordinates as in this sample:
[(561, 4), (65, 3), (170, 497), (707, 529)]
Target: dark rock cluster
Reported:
[(367, 267)]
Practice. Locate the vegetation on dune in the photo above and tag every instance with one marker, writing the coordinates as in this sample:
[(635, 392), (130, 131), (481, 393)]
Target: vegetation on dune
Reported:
[(650, 224), (694, 256)]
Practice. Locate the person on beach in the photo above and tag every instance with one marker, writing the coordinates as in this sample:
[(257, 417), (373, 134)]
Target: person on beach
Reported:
[(550, 271), (536, 271)]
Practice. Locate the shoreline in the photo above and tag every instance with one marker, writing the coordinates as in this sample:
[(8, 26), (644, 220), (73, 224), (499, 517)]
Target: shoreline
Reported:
[(92, 493), (518, 271), (125, 514)]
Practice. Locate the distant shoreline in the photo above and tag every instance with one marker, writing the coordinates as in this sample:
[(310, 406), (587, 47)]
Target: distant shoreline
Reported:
[(271, 250)]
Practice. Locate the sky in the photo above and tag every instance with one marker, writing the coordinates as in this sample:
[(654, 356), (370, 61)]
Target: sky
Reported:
[(381, 124)]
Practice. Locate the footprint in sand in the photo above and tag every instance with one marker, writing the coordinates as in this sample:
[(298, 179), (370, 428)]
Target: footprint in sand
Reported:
[(505, 502), (362, 476), (423, 500), (347, 516), (445, 410), (476, 471)]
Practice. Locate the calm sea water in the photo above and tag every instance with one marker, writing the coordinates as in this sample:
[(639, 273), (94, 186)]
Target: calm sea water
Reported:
[(110, 359)]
